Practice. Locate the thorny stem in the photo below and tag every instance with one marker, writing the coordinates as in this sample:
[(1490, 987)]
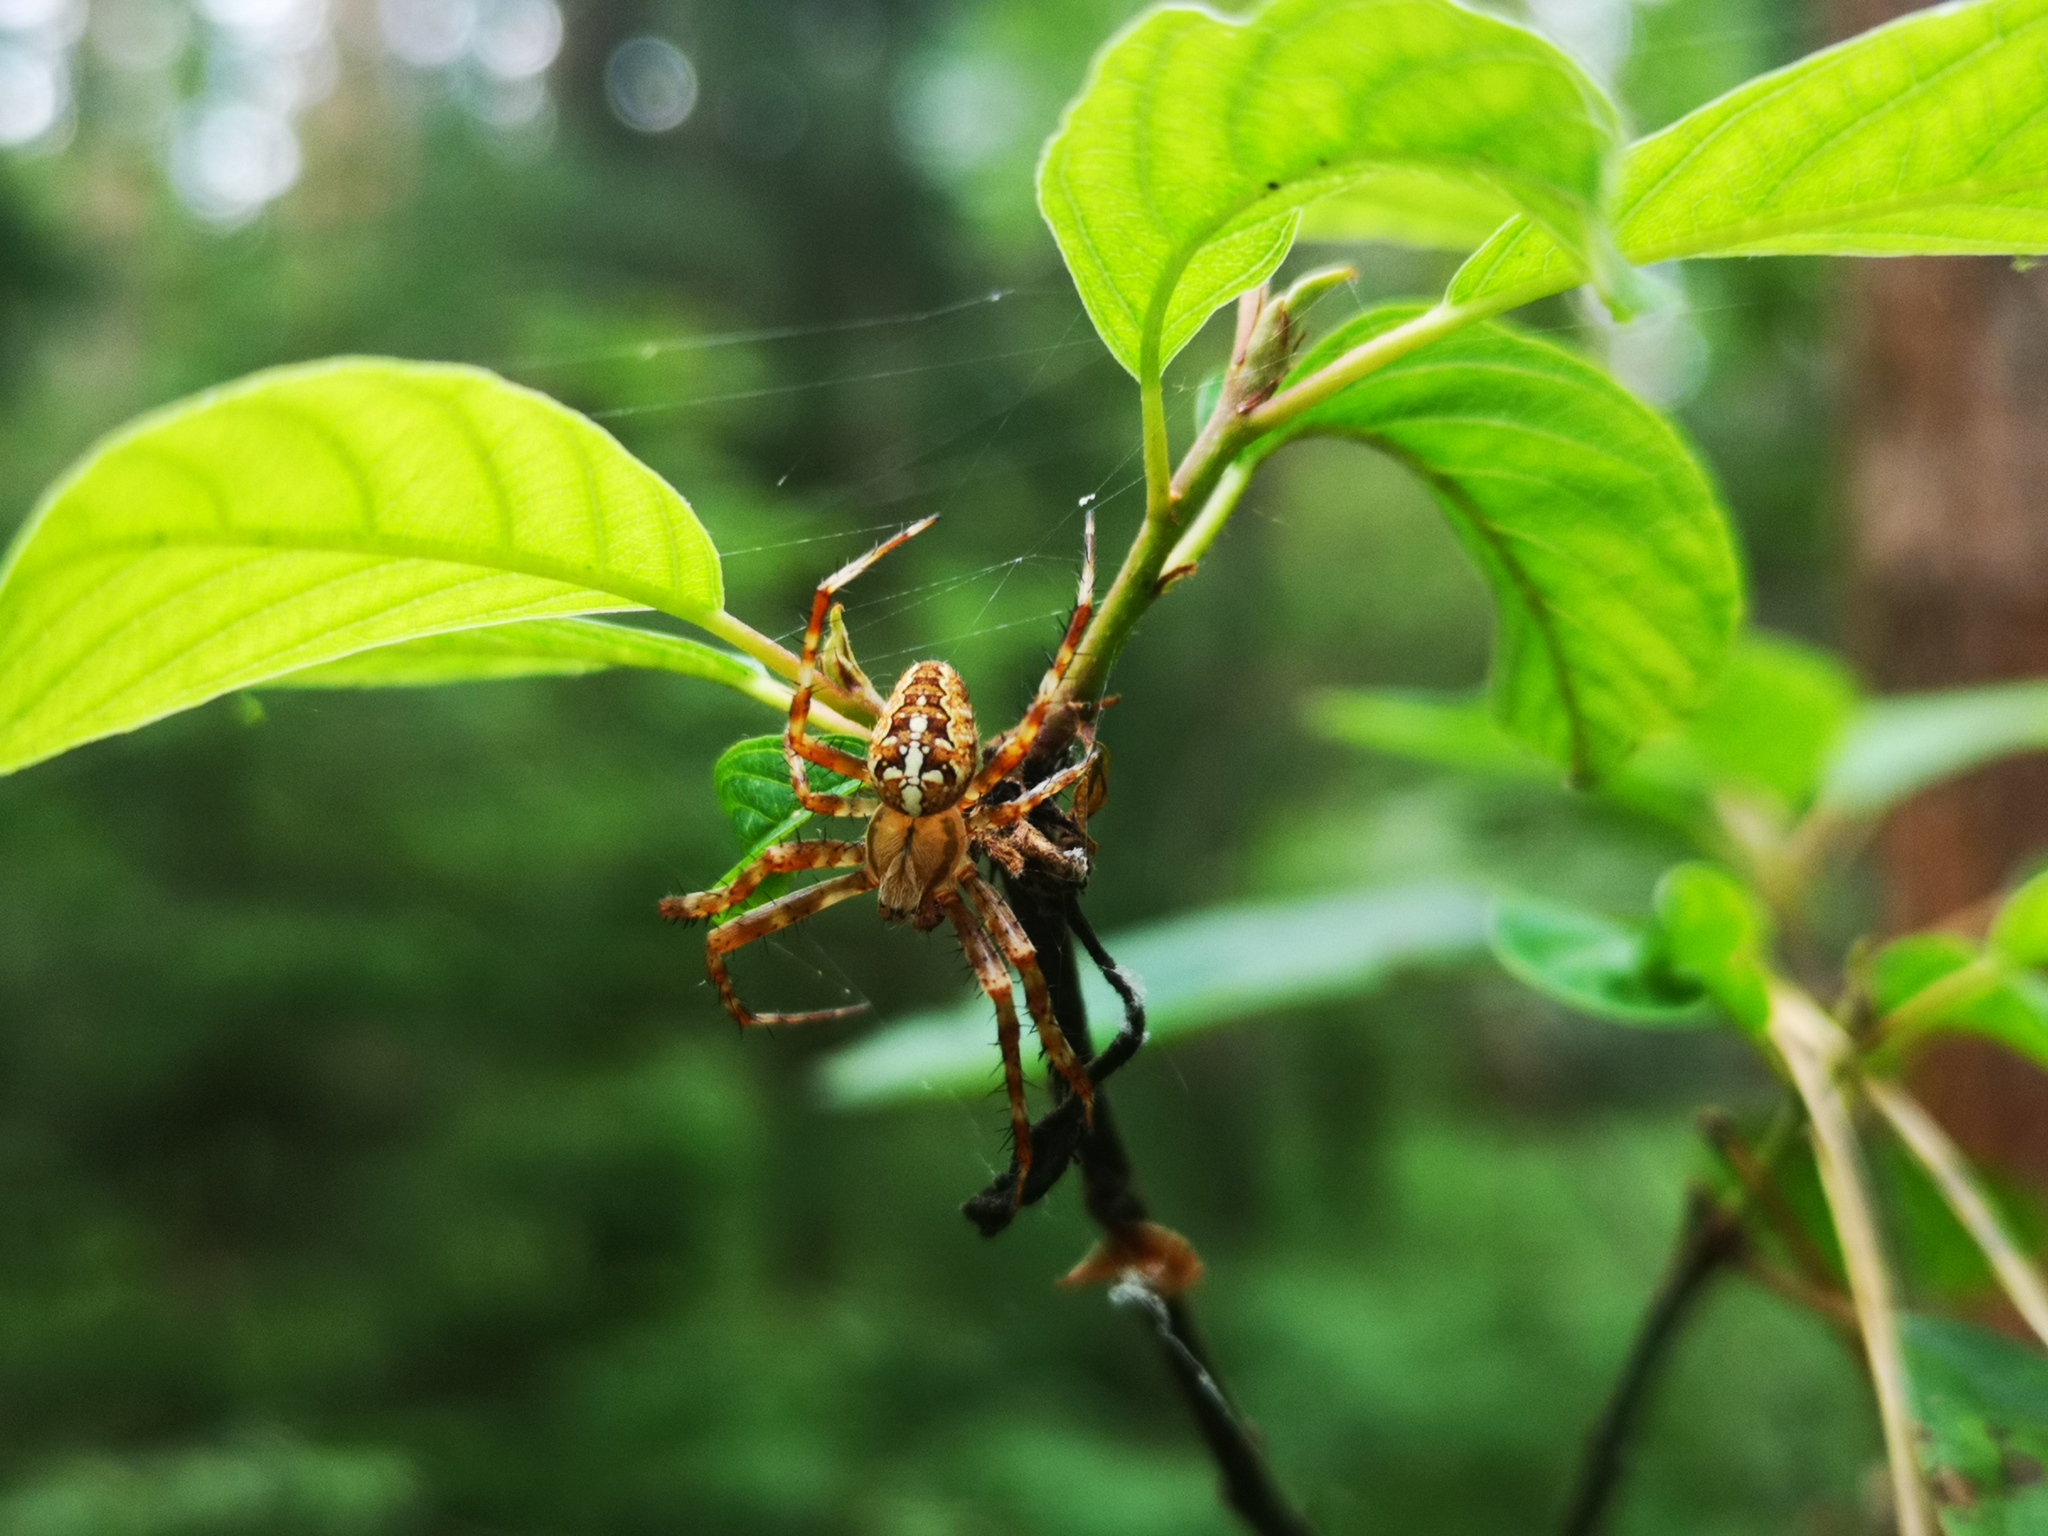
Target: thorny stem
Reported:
[(1114, 1199), (1945, 1164), (1710, 1239), (1815, 1048)]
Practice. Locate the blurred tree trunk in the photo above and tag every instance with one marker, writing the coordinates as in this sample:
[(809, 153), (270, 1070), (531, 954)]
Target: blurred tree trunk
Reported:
[(1947, 449)]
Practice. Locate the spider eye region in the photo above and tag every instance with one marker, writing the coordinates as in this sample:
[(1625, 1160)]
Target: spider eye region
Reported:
[(924, 750)]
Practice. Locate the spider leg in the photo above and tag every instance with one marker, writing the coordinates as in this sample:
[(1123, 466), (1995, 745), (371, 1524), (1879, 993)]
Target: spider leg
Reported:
[(994, 977), (1011, 811), (782, 859), (797, 745), (773, 918), (1016, 946), (1004, 760)]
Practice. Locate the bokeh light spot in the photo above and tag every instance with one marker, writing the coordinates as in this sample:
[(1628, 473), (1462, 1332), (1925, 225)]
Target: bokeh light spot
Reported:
[(517, 39), (650, 84), (427, 33), (231, 158), (32, 92)]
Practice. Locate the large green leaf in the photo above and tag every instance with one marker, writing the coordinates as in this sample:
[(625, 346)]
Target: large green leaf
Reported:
[(308, 513), (536, 648), (1927, 136), (1199, 971), (1610, 559), (1175, 179), (1982, 1404), (1595, 965)]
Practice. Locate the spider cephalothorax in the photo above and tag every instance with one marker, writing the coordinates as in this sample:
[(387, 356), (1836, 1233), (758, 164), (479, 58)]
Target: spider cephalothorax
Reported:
[(933, 809)]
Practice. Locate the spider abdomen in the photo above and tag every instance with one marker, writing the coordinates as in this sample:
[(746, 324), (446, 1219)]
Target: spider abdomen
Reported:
[(924, 749)]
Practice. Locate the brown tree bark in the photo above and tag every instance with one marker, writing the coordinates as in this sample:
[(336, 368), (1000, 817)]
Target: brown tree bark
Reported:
[(1947, 497)]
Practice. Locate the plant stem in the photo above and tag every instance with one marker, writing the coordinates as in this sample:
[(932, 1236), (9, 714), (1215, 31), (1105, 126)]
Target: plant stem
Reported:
[(1194, 545), (1946, 1165), (1116, 1202), (743, 637), (1710, 1239), (1369, 357), (1930, 1003), (1815, 1048)]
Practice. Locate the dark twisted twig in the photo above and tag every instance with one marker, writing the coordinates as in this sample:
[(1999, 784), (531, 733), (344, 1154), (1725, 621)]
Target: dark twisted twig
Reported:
[(1052, 918), (1710, 1239)]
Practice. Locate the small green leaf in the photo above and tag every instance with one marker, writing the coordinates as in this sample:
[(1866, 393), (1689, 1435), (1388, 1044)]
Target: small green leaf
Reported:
[(1978, 998), (1610, 559), (1923, 137), (751, 778), (2020, 932), (1595, 965), (1199, 972), (1982, 1404), (1899, 746), (1714, 932), (309, 513), (535, 648), (1175, 180)]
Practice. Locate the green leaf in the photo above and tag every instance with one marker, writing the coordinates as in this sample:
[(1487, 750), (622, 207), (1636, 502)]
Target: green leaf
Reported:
[(1610, 559), (1923, 137), (308, 513), (751, 778), (2020, 932), (1775, 719), (1990, 1000), (1175, 179), (1412, 208), (1594, 964), (1899, 746), (1199, 972), (1982, 1402), (1713, 931), (536, 648)]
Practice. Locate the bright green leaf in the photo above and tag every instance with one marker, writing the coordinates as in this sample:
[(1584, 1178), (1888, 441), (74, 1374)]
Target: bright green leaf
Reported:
[(1713, 931), (1975, 997), (1775, 718), (1982, 1403), (1926, 136), (2020, 932), (1200, 971), (1610, 559), (1175, 180), (1899, 746), (1595, 965), (1412, 208), (308, 513), (537, 648)]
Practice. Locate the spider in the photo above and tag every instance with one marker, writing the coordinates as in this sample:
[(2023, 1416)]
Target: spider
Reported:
[(932, 808)]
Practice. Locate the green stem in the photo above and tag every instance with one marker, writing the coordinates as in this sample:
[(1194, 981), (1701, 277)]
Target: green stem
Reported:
[(1369, 357), (1932, 1003), (1193, 547), (745, 638), (1815, 1049), (1196, 483)]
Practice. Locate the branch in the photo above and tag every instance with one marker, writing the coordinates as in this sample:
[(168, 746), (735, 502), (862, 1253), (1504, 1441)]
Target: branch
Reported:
[(1815, 1047), (1710, 1239), (1052, 919), (1946, 1165)]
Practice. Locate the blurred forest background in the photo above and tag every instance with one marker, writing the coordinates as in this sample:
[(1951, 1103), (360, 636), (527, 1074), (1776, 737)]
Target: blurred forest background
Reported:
[(373, 1161)]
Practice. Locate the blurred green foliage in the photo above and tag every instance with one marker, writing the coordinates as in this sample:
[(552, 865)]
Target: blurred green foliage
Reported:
[(372, 1160)]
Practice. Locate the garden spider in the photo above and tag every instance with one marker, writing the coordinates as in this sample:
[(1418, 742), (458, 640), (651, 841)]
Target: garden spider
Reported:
[(931, 813)]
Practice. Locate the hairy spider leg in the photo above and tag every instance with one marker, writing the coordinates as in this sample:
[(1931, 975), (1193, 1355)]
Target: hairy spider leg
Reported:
[(782, 859), (773, 918), (1011, 811), (797, 746), (1018, 949), (1004, 760), (994, 977)]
